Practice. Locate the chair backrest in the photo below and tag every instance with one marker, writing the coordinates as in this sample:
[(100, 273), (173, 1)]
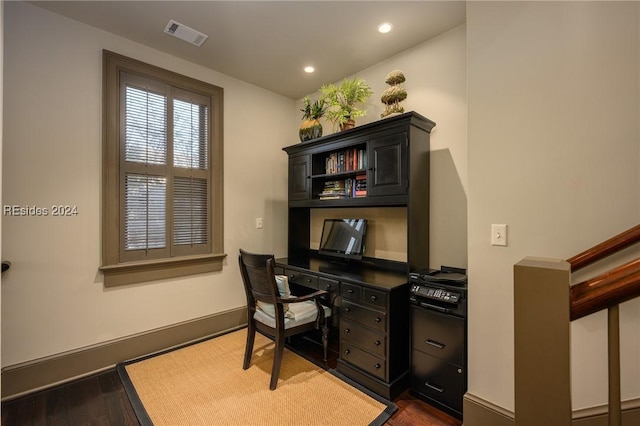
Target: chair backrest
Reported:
[(258, 277)]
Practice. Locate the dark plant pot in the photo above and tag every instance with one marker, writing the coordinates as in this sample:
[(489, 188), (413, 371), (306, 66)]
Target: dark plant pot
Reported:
[(349, 124), (310, 129)]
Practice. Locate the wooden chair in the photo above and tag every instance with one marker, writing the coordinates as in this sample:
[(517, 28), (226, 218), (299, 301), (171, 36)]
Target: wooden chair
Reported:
[(260, 284)]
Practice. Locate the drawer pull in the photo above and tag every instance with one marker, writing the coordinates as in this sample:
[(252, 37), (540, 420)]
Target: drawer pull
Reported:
[(309, 280), (350, 291), (347, 310), (377, 342), (434, 343), (347, 331), (377, 366), (434, 387), (378, 319), (347, 352), (374, 298)]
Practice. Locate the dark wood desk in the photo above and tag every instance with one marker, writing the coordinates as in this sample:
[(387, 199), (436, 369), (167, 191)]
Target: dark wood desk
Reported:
[(371, 310)]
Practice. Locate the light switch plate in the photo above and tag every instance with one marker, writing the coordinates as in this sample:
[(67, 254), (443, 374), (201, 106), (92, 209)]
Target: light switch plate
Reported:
[(498, 235)]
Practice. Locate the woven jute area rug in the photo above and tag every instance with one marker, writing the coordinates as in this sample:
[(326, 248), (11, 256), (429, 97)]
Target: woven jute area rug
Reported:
[(204, 384)]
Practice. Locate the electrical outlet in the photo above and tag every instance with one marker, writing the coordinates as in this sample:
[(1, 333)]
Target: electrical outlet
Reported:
[(258, 223), (498, 235)]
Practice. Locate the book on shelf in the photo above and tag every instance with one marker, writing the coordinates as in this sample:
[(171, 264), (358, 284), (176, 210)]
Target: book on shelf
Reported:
[(360, 189), (347, 160), (347, 188), (333, 189), (334, 185)]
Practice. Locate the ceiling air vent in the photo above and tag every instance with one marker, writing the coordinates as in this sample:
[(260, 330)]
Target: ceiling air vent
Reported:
[(185, 33)]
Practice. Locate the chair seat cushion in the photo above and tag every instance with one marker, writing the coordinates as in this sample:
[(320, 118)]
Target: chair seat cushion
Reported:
[(285, 292), (298, 314)]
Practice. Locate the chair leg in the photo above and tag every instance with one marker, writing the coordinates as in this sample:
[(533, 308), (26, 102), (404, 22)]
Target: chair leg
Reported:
[(251, 335), (325, 340), (277, 361)]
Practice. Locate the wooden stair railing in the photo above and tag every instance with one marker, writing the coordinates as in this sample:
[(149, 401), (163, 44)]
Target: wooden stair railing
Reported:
[(609, 289), (543, 282), (606, 248)]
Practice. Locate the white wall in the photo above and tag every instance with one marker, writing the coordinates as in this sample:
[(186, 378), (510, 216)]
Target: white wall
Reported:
[(53, 299), (554, 152)]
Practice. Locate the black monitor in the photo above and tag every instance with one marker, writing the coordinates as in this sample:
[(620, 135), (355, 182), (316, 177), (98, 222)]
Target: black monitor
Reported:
[(343, 238)]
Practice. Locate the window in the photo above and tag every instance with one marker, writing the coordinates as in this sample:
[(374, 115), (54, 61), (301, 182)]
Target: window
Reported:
[(162, 173)]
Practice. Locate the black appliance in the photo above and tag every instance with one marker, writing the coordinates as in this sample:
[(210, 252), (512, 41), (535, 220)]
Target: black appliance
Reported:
[(439, 337)]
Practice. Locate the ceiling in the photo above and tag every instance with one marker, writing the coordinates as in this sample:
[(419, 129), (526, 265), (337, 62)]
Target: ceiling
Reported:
[(268, 43)]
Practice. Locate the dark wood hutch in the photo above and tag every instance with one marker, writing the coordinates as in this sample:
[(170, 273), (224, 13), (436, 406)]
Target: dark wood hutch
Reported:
[(381, 164)]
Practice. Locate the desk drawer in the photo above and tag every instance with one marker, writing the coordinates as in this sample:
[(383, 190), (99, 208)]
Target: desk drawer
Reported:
[(438, 335), (365, 316), (373, 342), (363, 360), (375, 298), (303, 279), (437, 379), (328, 285), (351, 291)]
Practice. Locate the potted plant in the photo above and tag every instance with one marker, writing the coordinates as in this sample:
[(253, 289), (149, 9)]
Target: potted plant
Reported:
[(393, 95), (311, 127), (345, 101)]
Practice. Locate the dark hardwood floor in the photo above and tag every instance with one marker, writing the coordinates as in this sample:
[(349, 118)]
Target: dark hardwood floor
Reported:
[(411, 410), (95, 400), (101, 400)]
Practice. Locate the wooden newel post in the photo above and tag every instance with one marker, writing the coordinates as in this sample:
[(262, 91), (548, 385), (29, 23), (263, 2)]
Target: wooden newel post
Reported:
[(542, 342)]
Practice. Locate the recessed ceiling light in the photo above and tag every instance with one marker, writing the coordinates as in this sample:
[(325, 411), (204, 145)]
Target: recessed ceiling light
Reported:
[(385, 27), (309, 69)]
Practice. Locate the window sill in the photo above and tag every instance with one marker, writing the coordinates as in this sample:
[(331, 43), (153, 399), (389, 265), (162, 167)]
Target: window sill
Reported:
[(151, 270)]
